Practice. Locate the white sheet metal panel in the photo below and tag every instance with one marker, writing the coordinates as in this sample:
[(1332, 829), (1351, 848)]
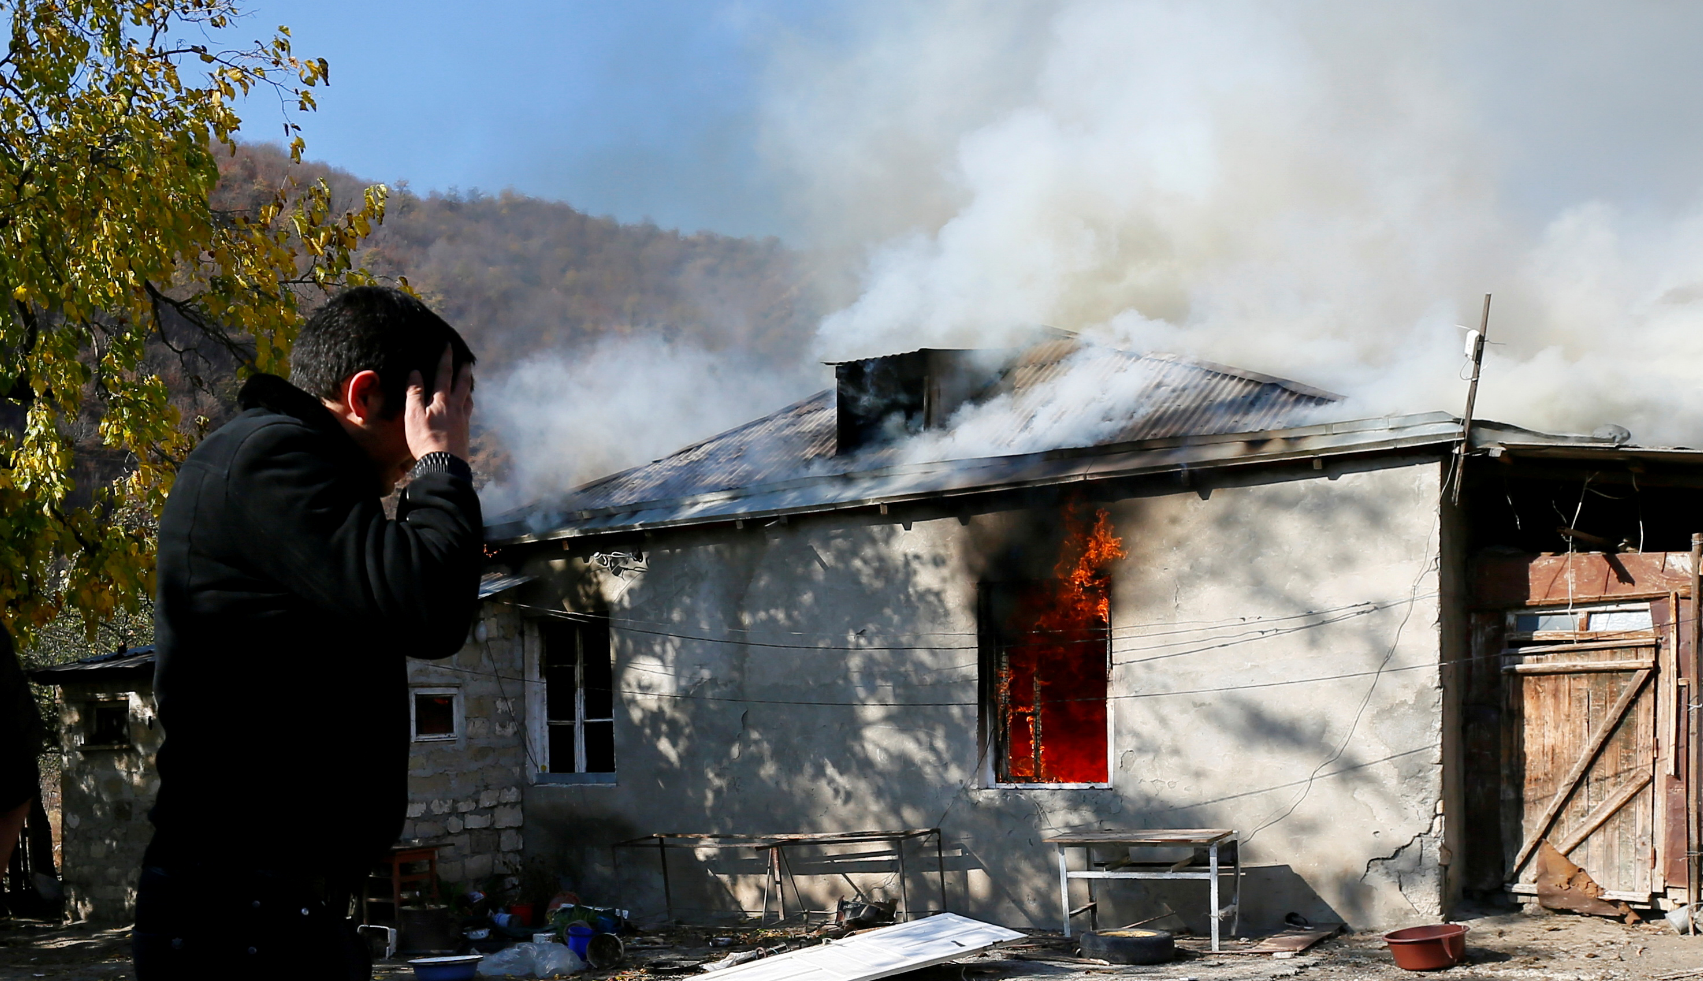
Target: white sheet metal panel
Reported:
[(877, 953)]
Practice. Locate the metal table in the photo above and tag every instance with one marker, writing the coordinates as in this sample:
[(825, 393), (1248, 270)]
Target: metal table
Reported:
[(777, 864), (1209, 840)]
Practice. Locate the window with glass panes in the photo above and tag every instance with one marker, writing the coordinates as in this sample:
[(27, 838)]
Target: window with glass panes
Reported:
[(579, 697)]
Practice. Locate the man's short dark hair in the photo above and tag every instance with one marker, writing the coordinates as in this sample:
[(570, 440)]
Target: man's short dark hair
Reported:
[(373, 328)]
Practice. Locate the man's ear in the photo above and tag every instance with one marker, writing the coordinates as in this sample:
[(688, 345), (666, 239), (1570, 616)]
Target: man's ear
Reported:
[(363, 395)]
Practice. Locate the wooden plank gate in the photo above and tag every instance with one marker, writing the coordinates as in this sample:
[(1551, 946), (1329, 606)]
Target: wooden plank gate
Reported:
[(1591, 727)]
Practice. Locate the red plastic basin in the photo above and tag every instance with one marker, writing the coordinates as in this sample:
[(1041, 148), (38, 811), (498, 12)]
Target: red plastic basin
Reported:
[(1427, 948)]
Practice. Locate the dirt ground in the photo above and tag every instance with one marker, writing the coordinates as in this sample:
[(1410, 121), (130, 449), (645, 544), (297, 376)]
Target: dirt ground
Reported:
[(1549, 947)]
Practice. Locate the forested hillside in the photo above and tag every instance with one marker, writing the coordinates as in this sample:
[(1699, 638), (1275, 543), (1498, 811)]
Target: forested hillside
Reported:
[(521, 275)]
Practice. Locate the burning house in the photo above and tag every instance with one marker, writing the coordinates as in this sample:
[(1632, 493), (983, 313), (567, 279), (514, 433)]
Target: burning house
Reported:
[(1009, 595), (977, 600)]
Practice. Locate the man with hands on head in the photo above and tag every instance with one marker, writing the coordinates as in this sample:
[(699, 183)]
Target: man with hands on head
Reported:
[(286, 605)]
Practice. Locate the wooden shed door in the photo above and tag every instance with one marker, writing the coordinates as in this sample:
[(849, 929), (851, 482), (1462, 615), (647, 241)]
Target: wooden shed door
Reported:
[(1582, 707)]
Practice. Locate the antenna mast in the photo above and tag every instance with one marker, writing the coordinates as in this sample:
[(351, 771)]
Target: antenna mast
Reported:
[(1477, 341)]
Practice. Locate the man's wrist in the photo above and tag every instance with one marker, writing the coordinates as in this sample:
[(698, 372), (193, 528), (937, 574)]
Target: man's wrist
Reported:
[(443, 461)]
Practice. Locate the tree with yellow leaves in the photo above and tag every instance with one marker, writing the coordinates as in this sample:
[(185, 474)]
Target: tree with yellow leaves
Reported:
[(110, 129)]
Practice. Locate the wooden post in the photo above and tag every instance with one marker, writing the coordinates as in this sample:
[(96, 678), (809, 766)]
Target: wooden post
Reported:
[(1693, 832), (1471, 400)]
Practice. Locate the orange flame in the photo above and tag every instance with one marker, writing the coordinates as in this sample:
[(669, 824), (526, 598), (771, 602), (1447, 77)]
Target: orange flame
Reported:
[(1083, 560), (1053, 685)]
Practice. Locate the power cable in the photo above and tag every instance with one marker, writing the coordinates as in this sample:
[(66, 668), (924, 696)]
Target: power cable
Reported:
[(1377, 676), (1114, 631)]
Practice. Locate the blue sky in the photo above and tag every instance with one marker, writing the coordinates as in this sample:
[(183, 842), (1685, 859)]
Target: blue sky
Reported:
[(653, 108), (636, 109)]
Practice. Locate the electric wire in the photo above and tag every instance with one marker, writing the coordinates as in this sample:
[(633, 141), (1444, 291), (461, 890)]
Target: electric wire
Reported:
[(1377, 676), (1112, 631), (1335, 614), (1115, 629), (1219, 689)]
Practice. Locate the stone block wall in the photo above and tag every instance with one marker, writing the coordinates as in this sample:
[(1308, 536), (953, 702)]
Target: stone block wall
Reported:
[(105, 796), (464, 795)]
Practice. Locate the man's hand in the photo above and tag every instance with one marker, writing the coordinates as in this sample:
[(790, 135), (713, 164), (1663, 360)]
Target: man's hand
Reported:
[(439, 425)]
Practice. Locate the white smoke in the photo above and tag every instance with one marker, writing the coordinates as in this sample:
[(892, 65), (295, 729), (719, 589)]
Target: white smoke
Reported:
[(1310, 190), (569, 418)]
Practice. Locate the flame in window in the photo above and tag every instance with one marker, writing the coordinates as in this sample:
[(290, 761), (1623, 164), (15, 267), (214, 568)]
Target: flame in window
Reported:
[(1054, 668)]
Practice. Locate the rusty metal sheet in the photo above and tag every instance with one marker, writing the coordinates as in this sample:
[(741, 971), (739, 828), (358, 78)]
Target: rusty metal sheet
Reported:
[(1506, 581)]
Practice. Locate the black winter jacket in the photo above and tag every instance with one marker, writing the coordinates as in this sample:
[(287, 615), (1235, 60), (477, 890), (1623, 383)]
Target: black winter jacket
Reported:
[(286, 604)]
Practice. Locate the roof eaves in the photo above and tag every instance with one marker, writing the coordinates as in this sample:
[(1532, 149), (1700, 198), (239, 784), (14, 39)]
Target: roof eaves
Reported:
[(1600, 451), (137, 662), (897, 485)]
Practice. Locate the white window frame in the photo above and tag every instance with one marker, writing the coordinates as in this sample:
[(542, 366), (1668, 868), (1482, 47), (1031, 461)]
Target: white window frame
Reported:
[(456, 714), (538, 718)]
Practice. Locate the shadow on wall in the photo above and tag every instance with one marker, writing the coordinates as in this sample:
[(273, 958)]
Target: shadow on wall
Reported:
[(822, 675)]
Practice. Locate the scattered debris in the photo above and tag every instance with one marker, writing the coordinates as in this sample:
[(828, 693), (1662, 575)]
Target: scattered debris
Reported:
[(1291, 941), (531, 961), (851, 915), (743, 957), (1563, 885)]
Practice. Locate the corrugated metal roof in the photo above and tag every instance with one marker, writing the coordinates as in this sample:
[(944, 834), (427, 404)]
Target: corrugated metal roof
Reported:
[(1123, 398), (776, 446), (1155, 396), (134, 661), (1070, 412), (930, 481)]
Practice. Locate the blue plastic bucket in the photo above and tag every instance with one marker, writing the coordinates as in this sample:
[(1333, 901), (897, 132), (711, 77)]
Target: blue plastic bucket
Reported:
[(579, 936)]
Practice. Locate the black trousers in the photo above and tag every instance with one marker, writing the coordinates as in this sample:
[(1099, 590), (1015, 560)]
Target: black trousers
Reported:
[(195, 922)]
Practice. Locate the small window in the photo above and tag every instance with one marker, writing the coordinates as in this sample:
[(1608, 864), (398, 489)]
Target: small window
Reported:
[(1570, 625), (436, 713), (1530, 623), (1046, 660), (108, 724), (579, 698), (1621, 620)]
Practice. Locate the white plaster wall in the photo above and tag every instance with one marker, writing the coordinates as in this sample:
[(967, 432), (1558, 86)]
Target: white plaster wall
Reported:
[(708, 740)]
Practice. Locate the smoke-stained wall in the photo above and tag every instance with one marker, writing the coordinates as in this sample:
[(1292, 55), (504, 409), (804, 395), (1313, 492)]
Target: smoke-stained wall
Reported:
[(1274, 670)]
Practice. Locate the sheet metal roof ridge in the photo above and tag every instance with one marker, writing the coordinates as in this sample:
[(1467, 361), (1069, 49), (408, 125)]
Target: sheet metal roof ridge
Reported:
[(1163, 454), (1235, 372), (115, 663)]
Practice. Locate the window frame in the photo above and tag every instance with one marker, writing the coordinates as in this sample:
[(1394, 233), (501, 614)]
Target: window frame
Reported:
[(987, 698), (538, 713), (1581, 611), (457, 720), (87, 722)]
